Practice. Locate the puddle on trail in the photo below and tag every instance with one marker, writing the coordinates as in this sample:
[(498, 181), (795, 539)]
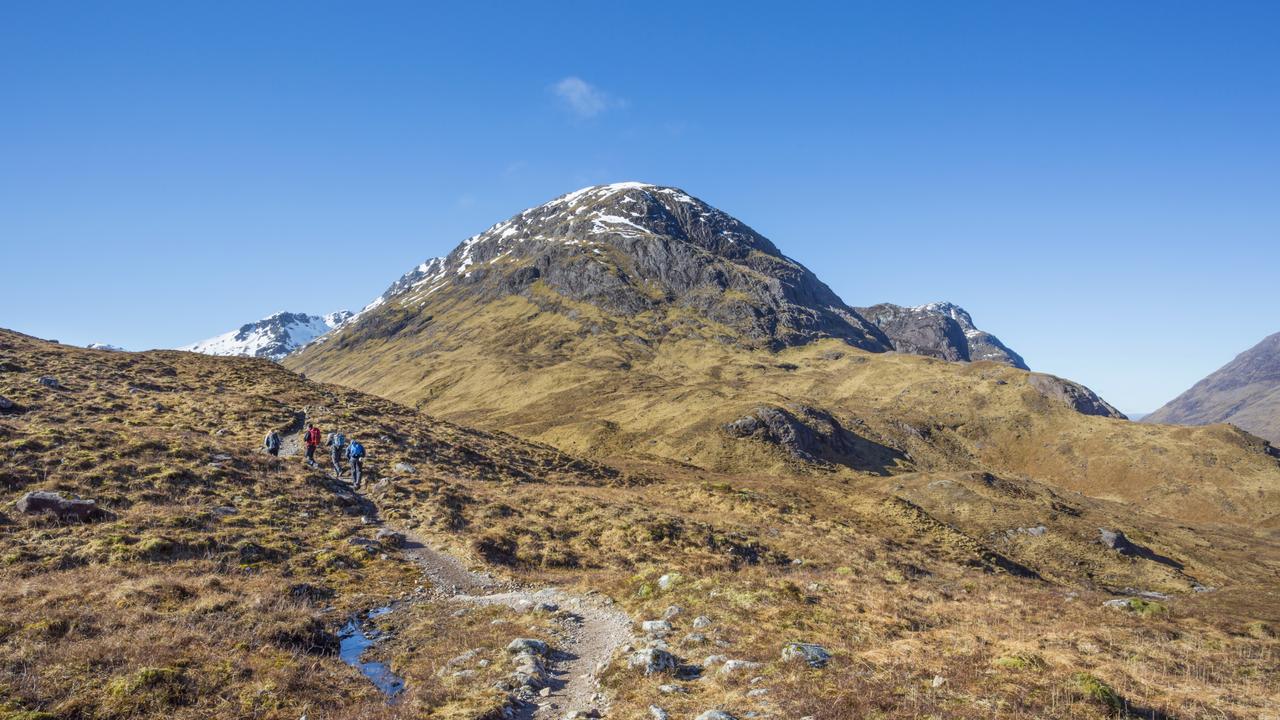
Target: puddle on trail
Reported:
[(356, 637)]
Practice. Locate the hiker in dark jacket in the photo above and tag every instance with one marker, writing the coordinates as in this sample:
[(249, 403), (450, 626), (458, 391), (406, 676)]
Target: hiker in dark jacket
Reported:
[(272, 443), (312, 438), (355, 453), (336, 444)]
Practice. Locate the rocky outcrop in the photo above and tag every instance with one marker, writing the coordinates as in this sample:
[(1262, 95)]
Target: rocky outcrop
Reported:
[(1074, 395), (811, 435), (61, 508), (630, 249), (942, 330), (1244, 392)]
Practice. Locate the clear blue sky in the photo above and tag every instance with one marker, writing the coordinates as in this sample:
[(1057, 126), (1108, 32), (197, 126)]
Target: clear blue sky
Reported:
[(1098, 183)]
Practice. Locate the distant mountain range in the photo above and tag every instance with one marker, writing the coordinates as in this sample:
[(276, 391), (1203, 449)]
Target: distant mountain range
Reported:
[(272, 337), (1244, 392)]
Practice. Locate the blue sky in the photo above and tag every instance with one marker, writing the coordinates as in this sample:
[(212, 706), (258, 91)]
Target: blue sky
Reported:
[(1098, 183)]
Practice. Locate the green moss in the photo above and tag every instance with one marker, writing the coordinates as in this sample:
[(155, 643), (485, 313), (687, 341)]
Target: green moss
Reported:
[(1147, 608), (28, 715), (157, 685), (1097, 690), (1020, 661)]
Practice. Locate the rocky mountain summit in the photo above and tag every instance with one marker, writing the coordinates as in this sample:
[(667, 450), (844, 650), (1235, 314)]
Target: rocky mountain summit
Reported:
[(272, 337), (939, 329), (634, 249), (1244, 392)]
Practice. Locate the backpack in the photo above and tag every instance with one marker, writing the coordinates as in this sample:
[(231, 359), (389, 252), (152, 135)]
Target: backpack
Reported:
[(337, 440), (356, 450)]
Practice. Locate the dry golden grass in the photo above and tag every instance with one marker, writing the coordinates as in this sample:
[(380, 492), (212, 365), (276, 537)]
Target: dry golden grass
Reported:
[(176, 609)]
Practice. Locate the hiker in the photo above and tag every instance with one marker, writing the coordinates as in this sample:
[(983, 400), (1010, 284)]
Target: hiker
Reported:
[(355, 453), (336, 442), (272, 443), (312, 438)]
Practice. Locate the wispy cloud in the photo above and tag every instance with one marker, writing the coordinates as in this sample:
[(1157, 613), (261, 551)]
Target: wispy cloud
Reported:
[(583, 98)]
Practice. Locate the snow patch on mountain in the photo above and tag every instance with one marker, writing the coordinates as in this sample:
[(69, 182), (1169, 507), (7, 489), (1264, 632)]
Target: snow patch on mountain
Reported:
[(272, 337)]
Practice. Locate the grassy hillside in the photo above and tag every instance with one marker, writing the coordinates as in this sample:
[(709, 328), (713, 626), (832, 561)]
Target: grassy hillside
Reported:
[(610, 387), (217, 584)]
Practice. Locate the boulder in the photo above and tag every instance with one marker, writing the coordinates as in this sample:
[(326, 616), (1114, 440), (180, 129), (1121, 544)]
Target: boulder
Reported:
[(7, 405), (701, 621), (522, 646), (652, 660), (405, 468), (1116, 540), (715, 715), (658, 713), (50, 382), (671, 612), (389, 538), (815, 655), (666, 581), (64, 509), (732, 666), (655, 627)]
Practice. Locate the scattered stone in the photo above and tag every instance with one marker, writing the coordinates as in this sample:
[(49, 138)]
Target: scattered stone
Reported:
[(653, 660), (224, 511), (667, 581), (732, 666), (694, 639), (389, 538), (64, 509), (545, 692), (658, 713), (7, 405), (50, 382), (671, 689), (655, 627), (1037, 531), (462, 659), (937, 681), (406, 468), (715, 715), (671, 612), (527, 646), (815, 655), (757, 692), (701, 621), (711, 660)]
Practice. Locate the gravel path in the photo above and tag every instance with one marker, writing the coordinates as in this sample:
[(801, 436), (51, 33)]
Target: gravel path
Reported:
[(593, 629)]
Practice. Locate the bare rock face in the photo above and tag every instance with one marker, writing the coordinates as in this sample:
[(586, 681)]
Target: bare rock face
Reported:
[(942, 330), (64, 509), (814, 436), (1076, 396), (1244, 392), (630, 249)]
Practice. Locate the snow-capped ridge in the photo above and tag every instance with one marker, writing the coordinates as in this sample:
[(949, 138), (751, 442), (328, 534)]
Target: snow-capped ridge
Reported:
[(274, 336)]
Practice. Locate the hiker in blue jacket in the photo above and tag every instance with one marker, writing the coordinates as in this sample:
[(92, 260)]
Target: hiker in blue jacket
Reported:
[(355, 453)]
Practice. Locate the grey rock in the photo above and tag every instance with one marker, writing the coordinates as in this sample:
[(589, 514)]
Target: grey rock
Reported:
[(715, 715), (530, 646), (1073, 395), (757, 692), (62, 508), (668, 580), (672, 612), (655, 627), (1116, 540), (389, 537), (812, 435), (694, 639), (50, 382), (734, 666), (658, 713), (814, 655), (672, 689), (652, 661), (942, 330), (405, 468), (701, 621), (713, 660), (7, 405)]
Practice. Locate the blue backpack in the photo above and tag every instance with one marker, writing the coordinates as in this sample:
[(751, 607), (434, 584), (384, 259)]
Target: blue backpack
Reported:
[(355, 450)]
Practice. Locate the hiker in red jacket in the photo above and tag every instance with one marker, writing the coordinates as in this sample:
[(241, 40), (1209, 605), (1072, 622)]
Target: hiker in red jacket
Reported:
[(312, 438)]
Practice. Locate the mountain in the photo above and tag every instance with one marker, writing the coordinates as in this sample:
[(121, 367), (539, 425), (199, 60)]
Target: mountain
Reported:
[(940, 329), (1244, 392), (271, 337), (104, 346), (633, 323), (209, 580)]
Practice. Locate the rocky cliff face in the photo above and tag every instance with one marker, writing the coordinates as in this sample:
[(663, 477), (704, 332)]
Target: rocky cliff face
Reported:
[(942, 330), (271, 337), (631, 250), (1244, 392)]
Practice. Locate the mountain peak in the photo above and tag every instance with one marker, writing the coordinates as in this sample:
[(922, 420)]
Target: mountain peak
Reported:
[(939, 329), (273, 336)]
